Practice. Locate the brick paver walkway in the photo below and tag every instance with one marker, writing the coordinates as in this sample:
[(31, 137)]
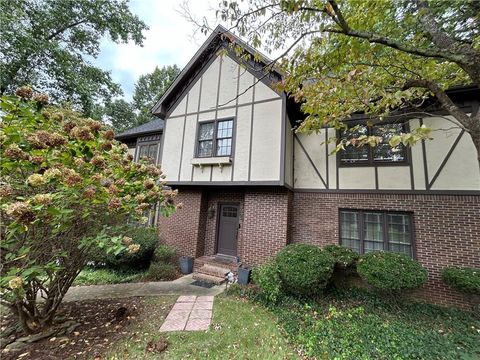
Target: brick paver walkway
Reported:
[(189, 313)]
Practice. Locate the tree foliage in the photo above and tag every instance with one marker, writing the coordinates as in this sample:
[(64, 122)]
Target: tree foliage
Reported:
[(66, 188), (150, 88), (120, 114), (49, 44), (372, 57)]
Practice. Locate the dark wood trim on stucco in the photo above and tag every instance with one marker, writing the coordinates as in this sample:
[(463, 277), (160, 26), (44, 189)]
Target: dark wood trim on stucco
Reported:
[(282, 138), (183, 137), (196, 124), (230, 107), (446, 158), (311, 161), (235, 124), (251, 132), (424, 158)]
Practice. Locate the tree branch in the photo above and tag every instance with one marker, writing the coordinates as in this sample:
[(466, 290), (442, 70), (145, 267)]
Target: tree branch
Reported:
[(65, 28), (439, 37), (446, 102), (336, 15)]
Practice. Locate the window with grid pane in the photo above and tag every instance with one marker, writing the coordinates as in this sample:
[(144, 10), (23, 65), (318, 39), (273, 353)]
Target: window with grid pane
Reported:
[(148, 151), (215, 138), (365, 231), (381, 153)]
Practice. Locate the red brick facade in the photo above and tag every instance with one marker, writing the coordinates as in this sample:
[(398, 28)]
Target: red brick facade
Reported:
[(446, 227)]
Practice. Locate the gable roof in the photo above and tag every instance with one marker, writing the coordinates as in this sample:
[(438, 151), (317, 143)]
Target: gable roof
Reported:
[(220, 37), (150, 127)]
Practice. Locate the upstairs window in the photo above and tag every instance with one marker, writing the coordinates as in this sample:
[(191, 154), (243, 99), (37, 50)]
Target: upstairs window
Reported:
[(215, 138), (383, 153), (366, 231)]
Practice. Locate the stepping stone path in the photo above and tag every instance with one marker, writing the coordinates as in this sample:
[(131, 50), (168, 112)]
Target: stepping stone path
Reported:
[(190, 313)]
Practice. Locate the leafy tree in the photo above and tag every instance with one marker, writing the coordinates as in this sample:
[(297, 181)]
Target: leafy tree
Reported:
[(66, 188), (48, 44), (368, 56), (120, 114), (150, 88)]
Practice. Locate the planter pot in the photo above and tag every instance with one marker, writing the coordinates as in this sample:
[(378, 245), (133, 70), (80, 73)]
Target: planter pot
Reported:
[(244, 275), (186, 265)]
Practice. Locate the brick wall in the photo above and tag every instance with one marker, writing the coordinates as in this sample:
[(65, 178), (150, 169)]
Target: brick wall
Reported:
[(185, 229), (447, 229), (265, 224)]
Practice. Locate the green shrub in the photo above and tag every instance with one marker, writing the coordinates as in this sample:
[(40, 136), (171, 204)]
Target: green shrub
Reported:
[(304, 269), (159, 271), (164, 253), (267, 278), (344, 257), (93, 276), (391, 272), (146, 237), (465, 280)]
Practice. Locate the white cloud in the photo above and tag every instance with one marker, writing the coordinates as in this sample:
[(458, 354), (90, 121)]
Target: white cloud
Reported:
[(169, 40)]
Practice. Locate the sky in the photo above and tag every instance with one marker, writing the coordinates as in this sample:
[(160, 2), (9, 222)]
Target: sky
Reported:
[(171, 39)]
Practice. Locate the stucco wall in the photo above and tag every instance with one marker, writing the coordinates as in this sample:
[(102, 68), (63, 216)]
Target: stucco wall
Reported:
[(457, 171), (223, 91)]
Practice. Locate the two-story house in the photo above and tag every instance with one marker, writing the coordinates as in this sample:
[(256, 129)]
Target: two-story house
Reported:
[(250, 185)]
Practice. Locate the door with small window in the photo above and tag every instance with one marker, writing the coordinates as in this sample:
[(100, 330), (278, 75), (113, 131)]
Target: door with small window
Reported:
[(228, 222)]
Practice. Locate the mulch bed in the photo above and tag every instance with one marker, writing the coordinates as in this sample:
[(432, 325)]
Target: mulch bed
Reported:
[(101, 323)]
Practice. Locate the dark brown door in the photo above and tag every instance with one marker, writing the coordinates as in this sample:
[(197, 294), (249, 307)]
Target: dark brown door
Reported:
[(227, 229)]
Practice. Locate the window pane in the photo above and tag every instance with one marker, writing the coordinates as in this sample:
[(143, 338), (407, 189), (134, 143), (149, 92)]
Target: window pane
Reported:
[(349, 236), (353, 154), (383, 151), (205, 148), (143, 150), (399, 233), (152, 152), (224, 147), (206, 131), (225, 129), (373, 232)]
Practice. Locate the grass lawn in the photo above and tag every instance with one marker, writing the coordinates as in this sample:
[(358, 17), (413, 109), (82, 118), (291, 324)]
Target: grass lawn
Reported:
[(239, 330), (92, 276), (352, 324)]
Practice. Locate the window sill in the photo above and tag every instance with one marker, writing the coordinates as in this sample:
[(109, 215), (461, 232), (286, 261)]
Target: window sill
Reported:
[(219, 161)]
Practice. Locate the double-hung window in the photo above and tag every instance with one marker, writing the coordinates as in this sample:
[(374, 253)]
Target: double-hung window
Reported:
[(215, 138), (383, 153), (364, 231)]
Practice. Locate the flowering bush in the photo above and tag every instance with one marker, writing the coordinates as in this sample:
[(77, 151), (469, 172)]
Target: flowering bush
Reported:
[(66, 186)]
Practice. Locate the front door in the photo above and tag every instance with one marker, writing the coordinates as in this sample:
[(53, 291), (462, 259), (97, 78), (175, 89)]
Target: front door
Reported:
[(227, 229)]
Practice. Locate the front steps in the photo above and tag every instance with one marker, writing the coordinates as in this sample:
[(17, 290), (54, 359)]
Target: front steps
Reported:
[(213, 270)]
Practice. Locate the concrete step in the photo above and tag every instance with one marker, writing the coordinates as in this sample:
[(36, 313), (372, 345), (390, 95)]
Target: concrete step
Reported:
[(210, 260), (213, 270), (208, 278)]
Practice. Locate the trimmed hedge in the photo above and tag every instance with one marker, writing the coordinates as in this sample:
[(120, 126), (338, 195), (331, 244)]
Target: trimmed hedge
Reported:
[(268, 280), (344, 257), (304, 269), (465, 280), (391, 272), (146, 237)]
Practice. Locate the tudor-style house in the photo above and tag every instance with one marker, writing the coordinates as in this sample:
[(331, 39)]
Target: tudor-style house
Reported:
[(250, 185)]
